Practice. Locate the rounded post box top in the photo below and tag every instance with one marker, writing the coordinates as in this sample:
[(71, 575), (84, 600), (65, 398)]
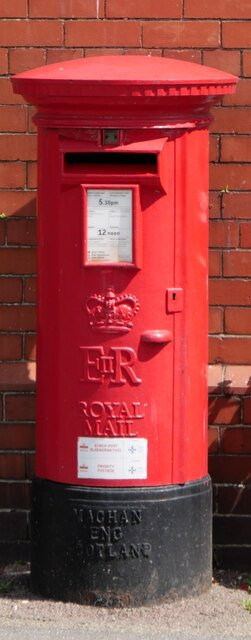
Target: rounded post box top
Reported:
[(139, 74), (123, 91)]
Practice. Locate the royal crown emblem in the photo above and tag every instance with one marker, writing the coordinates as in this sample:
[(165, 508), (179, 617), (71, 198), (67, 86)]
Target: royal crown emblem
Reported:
[(111, 313)]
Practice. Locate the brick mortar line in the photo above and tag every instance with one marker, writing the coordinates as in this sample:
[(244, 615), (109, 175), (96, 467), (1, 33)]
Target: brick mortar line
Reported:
[(19, 247), (231, 106), (242, 415), (221, 253), (3, 407), (20, 423), (8, 61), (16, 540), (63, 24), (239, 250), (230, 335), (215, 501), (83, 47), (21, 190), (23, 333), (23, 345), (73, 19), (20, 393), (23, 301), (234, 219), (239, 236), (21, 361), (16, 218), (11, 331), (25, 190), (222, 425), (225, 485), (234, 515), (7, 245), (221, 135), (236, 456), (227, 162), (5, 235), (15, 481), (233, 545), (26, 173), (218, 437), (235, 278), (131, 48), (218, 146), (13, 423), (26, 464), (19, 133), (223, 307), (213, 396), (10, 510), (117, 19)]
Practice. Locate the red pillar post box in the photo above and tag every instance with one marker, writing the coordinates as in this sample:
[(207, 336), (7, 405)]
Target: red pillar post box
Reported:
[(122, 500)]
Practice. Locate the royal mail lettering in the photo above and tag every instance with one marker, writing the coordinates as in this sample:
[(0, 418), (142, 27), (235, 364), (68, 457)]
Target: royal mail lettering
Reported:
[(111, 419), (112, 410)]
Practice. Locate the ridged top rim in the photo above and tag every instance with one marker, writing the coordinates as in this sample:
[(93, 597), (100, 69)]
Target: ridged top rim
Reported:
[(120, 71)]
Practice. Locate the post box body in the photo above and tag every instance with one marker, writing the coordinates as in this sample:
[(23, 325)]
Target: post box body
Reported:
[(122, 327), (124, 379)]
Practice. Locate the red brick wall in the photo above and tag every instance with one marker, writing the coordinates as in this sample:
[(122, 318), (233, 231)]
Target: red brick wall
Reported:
[(216, 33), (229, 462)]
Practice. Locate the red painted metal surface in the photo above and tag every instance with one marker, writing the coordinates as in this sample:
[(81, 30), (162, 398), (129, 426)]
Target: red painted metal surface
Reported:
[(122, 346)]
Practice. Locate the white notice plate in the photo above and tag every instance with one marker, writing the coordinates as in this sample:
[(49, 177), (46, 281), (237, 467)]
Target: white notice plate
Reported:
[(109, 225), (112, 458)]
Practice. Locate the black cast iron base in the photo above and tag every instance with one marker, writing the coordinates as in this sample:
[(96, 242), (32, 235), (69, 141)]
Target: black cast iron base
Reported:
[(123, 546)]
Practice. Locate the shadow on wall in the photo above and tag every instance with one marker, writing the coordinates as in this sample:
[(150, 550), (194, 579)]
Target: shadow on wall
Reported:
[(19, 259), (236, 492)]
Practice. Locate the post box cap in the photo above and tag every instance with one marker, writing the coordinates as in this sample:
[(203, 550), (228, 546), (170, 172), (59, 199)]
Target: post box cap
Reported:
[(123, 91), (140, 74)]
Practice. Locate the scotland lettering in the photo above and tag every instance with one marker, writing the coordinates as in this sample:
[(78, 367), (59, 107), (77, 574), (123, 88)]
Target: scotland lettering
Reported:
[(105, 530)]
